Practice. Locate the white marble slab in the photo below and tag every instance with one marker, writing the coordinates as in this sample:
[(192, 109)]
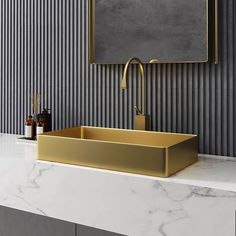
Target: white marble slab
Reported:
[(200, 200)]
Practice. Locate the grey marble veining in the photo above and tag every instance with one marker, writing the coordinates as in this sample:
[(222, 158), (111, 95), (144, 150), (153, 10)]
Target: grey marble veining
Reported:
[(199, 200)]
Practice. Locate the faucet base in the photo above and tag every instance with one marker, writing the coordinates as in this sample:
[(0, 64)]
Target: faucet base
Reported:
[(142, 122)]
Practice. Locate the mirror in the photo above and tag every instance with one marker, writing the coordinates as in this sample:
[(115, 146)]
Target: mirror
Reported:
[(172, 31)]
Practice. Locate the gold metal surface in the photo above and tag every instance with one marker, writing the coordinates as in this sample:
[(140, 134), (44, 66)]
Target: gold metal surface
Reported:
[(132, 151), (141, 122), (207, 31), (154, 61), (124, 80), (91, 31), (216, 23), (92, 18)]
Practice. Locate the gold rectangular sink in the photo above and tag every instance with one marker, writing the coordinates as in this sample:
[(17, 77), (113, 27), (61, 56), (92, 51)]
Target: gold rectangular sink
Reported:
[(141, 152)]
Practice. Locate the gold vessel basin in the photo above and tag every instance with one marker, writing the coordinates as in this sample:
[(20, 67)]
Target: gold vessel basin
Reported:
[(141, 152)]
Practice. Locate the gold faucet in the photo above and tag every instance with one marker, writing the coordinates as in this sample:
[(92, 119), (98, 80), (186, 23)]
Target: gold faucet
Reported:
[(141, 121)]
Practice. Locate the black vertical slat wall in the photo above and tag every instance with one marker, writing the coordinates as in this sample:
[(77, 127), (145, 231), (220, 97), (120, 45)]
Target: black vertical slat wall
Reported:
[(44, 49)]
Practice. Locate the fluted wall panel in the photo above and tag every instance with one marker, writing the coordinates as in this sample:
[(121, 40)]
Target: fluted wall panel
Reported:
[(44, 49)]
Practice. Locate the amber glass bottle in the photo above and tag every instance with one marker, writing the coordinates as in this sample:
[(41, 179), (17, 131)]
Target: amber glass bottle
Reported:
[(40, 127), (30, 128)]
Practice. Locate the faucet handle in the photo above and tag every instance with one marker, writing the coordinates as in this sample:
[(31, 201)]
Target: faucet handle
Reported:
[(137, 110), (153, 61)]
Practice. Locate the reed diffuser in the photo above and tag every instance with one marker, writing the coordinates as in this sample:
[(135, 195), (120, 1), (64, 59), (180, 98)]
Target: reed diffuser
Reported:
[(36, 105)]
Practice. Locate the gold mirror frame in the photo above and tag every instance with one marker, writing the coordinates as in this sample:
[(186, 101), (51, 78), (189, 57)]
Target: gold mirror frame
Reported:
[(92, 16)]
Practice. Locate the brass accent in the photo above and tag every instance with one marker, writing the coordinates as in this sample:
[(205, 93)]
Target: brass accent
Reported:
[(153, 61), (216, 23), (92, 18), (137, 110), (140, 152), (91, 31), (207, 30), (141, 121), (124, 80)]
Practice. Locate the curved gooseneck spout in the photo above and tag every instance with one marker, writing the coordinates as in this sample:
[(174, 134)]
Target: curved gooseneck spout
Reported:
[(124, 81)]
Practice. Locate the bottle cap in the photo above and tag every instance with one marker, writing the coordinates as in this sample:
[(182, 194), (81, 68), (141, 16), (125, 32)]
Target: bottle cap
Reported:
[(45, 111)]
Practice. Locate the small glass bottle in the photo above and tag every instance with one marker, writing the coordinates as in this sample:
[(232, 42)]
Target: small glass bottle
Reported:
[(40, 127), (47, 119), (30, 128)]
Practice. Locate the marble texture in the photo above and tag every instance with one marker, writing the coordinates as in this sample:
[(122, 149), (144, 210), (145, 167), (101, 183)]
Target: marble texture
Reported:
[(200, 200)]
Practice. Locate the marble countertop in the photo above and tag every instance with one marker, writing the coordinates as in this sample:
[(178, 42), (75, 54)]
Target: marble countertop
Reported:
[(91, 196)]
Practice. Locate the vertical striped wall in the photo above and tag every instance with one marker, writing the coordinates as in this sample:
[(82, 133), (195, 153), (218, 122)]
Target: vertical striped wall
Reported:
[(44, 49)]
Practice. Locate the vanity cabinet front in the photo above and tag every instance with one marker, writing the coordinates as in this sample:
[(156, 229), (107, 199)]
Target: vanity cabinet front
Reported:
[(19, 223)]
